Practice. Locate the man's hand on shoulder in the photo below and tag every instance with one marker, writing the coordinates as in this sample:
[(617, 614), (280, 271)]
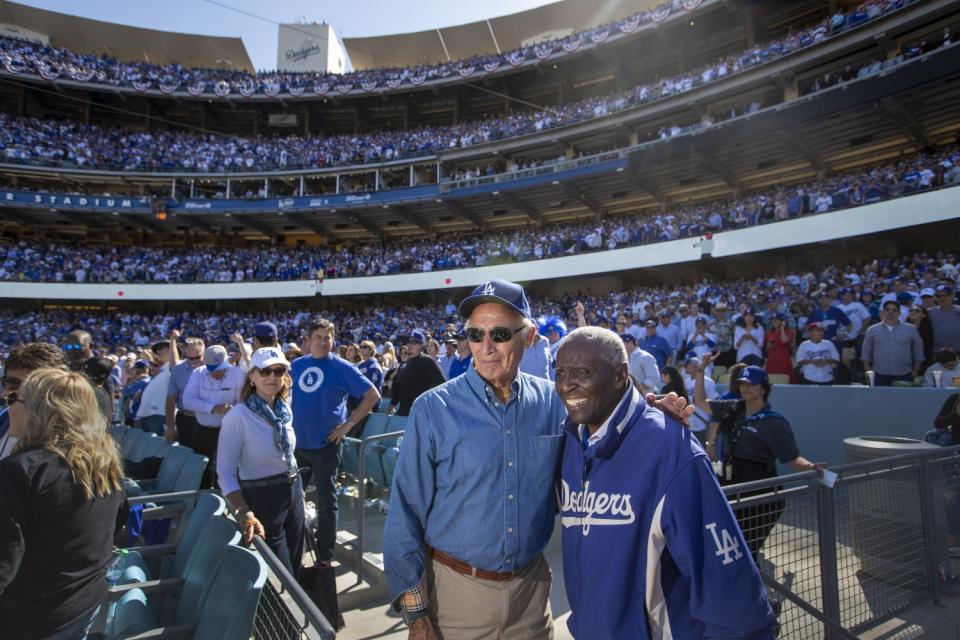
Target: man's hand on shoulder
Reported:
[(672, 405), (422, 629)]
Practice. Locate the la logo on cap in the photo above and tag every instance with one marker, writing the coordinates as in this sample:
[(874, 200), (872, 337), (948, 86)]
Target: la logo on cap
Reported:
[(489, 289)]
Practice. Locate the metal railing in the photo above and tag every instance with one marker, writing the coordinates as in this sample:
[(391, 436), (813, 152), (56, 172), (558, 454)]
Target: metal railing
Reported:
[(275, 618), (839, 560), (363, 445)]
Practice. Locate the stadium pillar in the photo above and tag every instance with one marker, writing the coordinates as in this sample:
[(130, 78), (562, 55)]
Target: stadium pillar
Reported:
[(21, 100), (750, 17), (148, 116), (306, 125), (86, 112)]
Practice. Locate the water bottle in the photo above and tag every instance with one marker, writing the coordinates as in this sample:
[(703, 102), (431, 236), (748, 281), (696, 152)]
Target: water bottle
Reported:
[(116, 568)]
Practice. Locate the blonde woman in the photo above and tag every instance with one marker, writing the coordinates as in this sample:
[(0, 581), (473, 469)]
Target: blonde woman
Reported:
[(389, 356), (61, 494), (255, 460)]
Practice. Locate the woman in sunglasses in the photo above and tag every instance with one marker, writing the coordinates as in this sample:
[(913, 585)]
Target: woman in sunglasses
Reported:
[(61, 495), (255, 461)]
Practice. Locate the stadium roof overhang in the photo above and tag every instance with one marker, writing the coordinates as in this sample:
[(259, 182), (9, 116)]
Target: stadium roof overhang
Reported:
[(503, 33), (127, 43)]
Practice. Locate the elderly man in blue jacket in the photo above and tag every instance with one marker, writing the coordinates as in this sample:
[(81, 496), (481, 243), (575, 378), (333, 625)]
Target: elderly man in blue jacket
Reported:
[(651, 548)]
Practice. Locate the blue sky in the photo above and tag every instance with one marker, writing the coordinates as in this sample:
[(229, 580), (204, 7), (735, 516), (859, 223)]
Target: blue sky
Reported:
[(349, 18)]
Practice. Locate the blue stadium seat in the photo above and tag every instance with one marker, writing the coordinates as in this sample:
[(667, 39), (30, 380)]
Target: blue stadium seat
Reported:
[(374, 425), (167, 475), (130, 441), (178, 601), (377, 424), (220, 604), (171, 559)]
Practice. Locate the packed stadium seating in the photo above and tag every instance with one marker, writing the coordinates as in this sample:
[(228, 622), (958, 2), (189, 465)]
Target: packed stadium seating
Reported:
[(664, 166)]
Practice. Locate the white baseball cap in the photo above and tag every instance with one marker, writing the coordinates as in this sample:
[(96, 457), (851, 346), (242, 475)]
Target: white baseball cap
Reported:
[(267, 357)]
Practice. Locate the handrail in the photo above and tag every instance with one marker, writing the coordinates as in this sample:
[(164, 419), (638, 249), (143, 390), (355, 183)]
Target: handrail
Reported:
[(362, 493), (807, 607), (313, 617)]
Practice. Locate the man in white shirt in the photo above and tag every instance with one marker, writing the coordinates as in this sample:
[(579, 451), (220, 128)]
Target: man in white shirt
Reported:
[(948, 366), (151, 414), (211, 391), (817, 357), (641, 365)]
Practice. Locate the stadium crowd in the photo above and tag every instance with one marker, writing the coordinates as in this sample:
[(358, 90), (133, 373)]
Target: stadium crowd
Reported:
[(35, 261), (61, 143), (916, 282), (23, 56)]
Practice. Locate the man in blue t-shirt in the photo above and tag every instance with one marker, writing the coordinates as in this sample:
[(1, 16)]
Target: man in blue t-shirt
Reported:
[(322, 382)]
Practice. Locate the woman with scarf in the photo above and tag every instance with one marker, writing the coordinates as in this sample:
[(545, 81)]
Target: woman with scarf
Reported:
[(255, 461)]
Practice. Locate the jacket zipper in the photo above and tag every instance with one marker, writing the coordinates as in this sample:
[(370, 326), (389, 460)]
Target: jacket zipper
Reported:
[(587, 466)]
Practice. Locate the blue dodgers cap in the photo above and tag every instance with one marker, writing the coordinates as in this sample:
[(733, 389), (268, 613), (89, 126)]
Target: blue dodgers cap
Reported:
[(265, 330), (905, 297), (626, 337), (499, 292), (417, 336), (753, 375), (141, 364), (944, 288)]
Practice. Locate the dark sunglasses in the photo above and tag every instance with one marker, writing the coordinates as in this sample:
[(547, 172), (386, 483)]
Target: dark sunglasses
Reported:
[(279, 372), (497, 334), (10, 384), (194, 358), (73, 347), (12, 397)]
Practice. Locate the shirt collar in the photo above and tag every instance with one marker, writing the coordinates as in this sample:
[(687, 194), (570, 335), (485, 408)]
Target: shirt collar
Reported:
[(485, 389), (602, 431)]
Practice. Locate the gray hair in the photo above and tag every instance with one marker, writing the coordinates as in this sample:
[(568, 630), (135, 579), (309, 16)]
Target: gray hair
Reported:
[(607, 342)]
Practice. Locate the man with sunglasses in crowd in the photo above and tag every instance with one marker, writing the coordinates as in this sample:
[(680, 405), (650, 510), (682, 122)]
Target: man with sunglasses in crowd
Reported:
[(23, 360), (418, 374), (180, 422), (472, 506), (79, 348)]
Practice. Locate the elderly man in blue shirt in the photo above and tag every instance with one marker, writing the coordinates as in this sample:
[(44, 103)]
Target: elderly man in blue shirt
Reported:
[(472, 507)]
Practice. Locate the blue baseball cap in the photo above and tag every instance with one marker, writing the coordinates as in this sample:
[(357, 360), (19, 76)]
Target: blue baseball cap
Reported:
[(905, 297), (141, 364), (626, 337), (845, 291), (753, 375), (417, 336), (265, 330), (500, 292), (944, 288)]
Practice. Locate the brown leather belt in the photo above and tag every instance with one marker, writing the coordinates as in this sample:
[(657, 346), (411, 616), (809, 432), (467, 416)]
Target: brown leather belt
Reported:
[(462, 567)]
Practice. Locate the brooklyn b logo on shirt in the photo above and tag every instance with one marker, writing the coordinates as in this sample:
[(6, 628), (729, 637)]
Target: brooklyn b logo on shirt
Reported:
[(311, 379), (589, 508)]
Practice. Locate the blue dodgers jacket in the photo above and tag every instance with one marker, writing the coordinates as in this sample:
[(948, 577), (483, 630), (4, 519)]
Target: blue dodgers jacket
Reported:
[(651, 548)]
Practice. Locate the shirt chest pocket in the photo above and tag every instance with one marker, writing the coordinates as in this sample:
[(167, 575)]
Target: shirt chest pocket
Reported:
[(542, 459)]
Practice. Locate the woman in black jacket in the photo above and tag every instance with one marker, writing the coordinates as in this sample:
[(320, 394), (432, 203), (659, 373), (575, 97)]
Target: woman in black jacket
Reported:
[(60, 496)]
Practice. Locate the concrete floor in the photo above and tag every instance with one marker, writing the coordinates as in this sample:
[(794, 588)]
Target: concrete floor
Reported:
[(366, 609)]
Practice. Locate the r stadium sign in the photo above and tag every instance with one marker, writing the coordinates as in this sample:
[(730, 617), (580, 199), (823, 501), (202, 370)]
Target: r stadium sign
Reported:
[(74, 201)]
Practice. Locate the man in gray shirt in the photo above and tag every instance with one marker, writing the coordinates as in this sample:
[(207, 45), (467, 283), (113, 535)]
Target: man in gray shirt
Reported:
[(894, 348), (180, 422), (945, 319)]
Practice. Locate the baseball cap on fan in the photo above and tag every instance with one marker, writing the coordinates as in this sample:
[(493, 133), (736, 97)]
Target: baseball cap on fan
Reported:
[(499, 292), (265, 330), (215, 358), (268, 356)]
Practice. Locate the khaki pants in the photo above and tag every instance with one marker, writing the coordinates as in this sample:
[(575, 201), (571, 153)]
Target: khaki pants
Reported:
[(467, 608)]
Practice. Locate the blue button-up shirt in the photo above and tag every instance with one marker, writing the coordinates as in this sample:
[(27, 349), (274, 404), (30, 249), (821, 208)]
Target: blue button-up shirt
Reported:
[(475, 478)]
